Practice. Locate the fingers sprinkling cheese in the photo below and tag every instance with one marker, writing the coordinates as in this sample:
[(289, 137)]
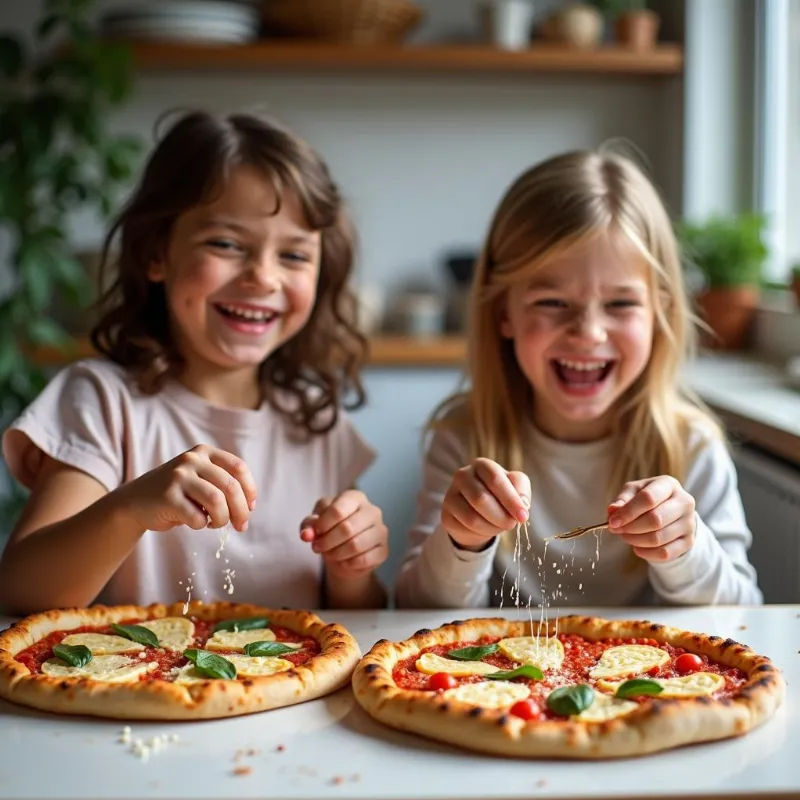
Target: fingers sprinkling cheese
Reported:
[(430, 664), (236, 640), (627, 660), (110, 668), (173, 633), (605, 707), (489, 694), (102, 644), (698, 684), (545, 653)]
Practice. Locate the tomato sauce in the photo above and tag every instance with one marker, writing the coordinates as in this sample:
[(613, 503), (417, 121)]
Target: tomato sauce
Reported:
[(580, 655), (34, 656)]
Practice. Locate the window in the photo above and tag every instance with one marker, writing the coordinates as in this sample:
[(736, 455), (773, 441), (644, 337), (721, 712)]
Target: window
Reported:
[(777, 135)]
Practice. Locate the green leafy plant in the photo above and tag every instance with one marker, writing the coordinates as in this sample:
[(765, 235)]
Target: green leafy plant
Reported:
[(616, 8), (56, 157), (795, 275), (727, 251)]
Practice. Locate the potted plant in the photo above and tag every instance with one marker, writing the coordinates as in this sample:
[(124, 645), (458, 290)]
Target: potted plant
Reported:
[(57, 158), (635, 25), (729, 253)]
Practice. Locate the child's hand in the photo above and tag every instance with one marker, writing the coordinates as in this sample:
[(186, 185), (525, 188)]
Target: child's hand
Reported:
[(484, 501), (655, 516), (348, 532), (203, 487)]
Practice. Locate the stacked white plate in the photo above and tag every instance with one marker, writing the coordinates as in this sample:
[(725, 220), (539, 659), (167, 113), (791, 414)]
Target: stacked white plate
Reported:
[(209, 21)]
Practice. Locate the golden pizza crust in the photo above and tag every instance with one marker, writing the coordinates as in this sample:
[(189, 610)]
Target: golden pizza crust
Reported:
[(654, 726), (161, 700)]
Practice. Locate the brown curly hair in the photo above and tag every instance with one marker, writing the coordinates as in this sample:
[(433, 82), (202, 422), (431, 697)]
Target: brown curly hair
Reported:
[(308, 376)]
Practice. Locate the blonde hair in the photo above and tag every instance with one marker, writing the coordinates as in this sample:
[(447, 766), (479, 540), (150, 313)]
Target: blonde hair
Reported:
[(561, 203)]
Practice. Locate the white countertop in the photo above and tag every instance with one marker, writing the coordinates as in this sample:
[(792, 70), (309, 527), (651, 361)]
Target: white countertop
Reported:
[(747, 386), (331, 749)]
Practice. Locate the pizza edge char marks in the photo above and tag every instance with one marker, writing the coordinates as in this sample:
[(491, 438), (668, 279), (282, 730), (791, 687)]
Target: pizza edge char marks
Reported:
[(656, 724), (325, 672)]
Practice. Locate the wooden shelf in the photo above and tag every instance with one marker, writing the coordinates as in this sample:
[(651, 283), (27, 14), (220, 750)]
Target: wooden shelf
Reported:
[(385, 351), (666, 59)]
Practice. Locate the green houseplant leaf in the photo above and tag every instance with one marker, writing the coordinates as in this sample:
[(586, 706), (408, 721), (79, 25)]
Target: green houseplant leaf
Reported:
[(727, 251)]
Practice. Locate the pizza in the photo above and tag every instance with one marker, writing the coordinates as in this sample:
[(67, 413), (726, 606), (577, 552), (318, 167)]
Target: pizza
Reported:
[(574, 687), (157, 662)]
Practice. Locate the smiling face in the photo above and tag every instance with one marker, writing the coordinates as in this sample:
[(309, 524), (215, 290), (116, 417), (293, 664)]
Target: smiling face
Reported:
[(240, 280), (582, 330)]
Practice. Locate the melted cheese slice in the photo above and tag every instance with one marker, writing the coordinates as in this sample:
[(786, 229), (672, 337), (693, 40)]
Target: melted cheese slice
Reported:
[(543, 653), (236, 640), (627, 660), (173, 633), (246, 666), (488, 694), (102, 644), (698, 684), (605, 707), (430, 664), (111, 668)]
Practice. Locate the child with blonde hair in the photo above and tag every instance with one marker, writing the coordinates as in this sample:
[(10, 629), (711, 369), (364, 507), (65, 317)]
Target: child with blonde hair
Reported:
[(226, 347), (576, 415)]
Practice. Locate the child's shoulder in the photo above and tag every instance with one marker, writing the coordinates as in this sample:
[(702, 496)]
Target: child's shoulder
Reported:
[(100, 374)]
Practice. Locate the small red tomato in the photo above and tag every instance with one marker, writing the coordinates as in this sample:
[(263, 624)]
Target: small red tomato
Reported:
[(653, 671), (525, 709), (688, 662), (441, 681)]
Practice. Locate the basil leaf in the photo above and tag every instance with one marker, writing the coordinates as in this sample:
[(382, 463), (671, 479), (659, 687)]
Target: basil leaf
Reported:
[(636, 687), (210, 665), (245, 624), (136, 633), (76, 655), (267, 649), (525, 671), (473, 653), (568, 700)]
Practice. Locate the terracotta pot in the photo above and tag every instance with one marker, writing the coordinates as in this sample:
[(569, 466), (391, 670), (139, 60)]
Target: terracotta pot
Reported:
[(729, 312), (578, 25), (796, 290), (638, 30)]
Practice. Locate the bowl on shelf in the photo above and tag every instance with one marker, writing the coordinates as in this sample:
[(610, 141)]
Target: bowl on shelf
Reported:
[(346, 21)]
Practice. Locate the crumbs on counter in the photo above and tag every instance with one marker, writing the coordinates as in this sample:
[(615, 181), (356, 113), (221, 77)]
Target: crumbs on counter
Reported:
[(541, 783), (280, 748), (742, 628), (143, 748), (242, 769), (336, 780)]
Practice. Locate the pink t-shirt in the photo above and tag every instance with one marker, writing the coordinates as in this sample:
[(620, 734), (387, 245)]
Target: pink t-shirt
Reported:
[(93, 417)]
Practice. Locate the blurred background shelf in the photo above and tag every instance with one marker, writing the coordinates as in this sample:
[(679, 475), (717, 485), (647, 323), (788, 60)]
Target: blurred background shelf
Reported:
[(666, 59), (385, 351)]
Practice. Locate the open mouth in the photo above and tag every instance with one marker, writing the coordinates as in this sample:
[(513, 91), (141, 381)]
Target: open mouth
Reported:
[(245, 315), (582, 376)]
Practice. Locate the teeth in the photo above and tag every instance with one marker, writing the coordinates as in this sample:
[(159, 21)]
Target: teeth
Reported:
[(248, 313), (582, 366)]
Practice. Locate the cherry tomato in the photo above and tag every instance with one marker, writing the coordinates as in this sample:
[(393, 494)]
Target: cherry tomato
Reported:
[(525, 709), (653, 671), (441, 681), (688, 662)]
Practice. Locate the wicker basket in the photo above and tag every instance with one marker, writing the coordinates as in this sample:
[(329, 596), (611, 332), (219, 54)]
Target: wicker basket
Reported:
[(353, 21)]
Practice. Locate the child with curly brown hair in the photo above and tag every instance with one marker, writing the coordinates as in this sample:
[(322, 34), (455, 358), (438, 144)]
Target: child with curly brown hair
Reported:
[(227, 347)]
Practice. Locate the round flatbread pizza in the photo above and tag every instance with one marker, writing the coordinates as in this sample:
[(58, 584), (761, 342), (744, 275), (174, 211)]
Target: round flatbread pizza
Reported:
[(576, 687), (157, 662)]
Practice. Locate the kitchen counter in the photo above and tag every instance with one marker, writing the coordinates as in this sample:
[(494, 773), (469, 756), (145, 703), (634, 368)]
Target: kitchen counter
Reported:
[(330, 748), (753, 398)]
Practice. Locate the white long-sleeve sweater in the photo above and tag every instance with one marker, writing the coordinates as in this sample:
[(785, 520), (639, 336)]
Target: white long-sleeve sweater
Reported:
[(569, 490)]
